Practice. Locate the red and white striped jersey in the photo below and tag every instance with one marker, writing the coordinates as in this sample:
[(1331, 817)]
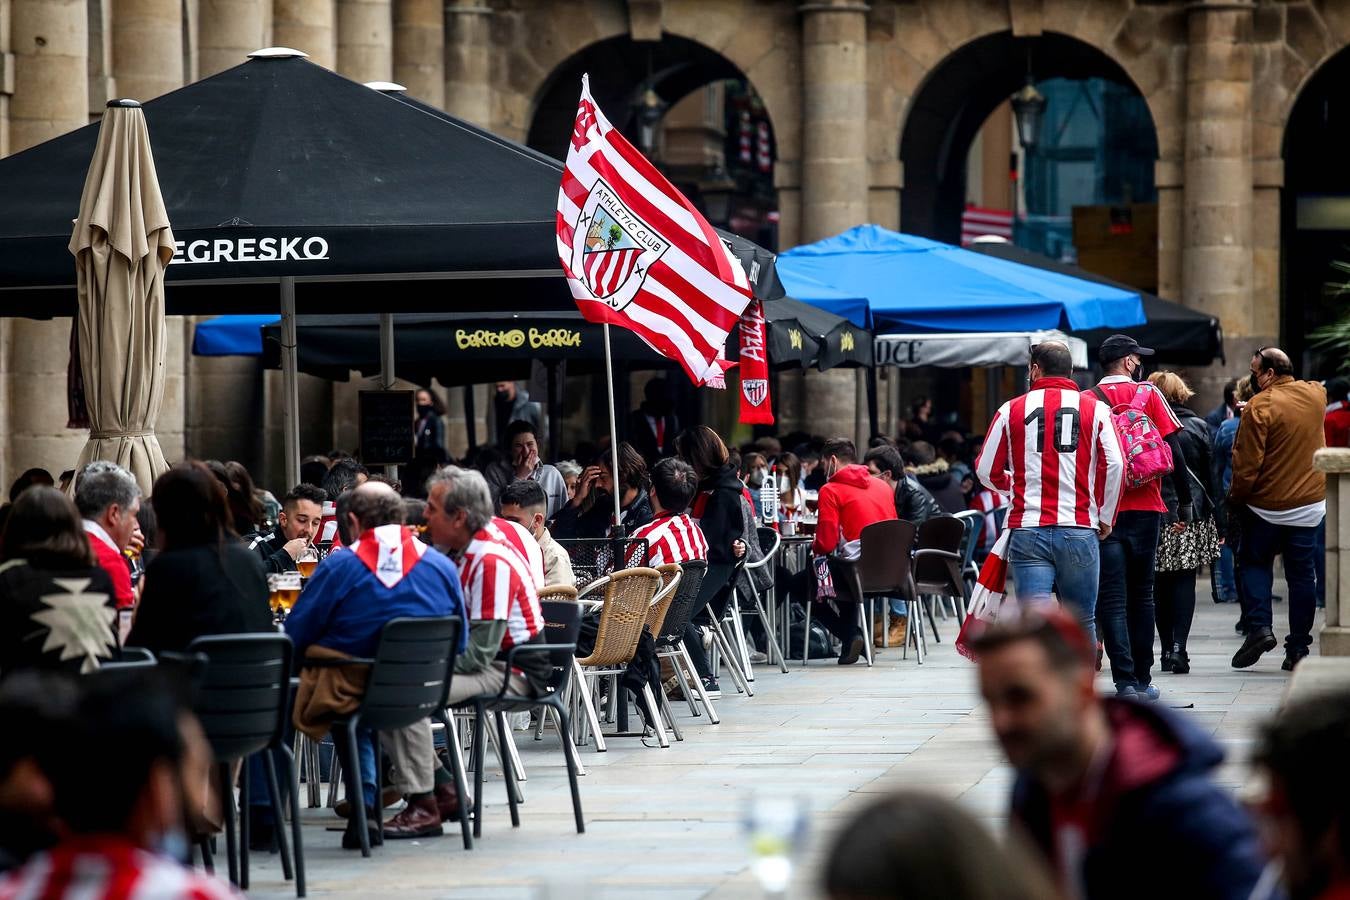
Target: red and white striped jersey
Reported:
[(108, 869), (672, 538), (499, 583), (986, 501), (1055, 452), (526, 545)]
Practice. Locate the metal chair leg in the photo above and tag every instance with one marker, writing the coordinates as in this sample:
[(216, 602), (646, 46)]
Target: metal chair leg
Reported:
[(565, 734), (719, 640), (508, 770), (573, 764), (583, 690), (864, 615), (452, 747), (664, 709), (356, 796), (297, 842), (278, 816), (245, 827), (697, 684), (677, 663), (227, 806), (806, 636), (936, 637), (479, 752), (656, 716)]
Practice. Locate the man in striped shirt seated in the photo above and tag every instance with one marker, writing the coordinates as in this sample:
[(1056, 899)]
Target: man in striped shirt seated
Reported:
[(671, 536)]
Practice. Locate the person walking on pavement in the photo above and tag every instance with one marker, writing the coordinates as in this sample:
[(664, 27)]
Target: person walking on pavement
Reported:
[(1129, 553), (1284, 502), (1054, 451), (1183, 548)]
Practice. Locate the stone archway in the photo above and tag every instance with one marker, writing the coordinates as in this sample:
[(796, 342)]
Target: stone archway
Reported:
[(955, 99)]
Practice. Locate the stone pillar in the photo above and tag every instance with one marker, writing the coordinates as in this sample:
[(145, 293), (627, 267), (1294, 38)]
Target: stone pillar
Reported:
[(147, 45), (419, 49), (6, 89), (1216, 236), (468, 61), (834, 170), (308, 25), (50, 42), (365, 40), (1335, 638), (834, 117), (1167, 180), (231, 30)]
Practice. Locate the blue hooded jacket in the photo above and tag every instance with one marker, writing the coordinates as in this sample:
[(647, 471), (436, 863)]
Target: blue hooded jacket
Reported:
[(1161, 826)]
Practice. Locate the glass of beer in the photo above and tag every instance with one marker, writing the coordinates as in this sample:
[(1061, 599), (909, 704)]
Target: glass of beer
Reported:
[(307, 561), (285, 590)]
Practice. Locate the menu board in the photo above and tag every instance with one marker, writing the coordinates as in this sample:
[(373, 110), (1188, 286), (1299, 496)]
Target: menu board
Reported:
[(386, 428)]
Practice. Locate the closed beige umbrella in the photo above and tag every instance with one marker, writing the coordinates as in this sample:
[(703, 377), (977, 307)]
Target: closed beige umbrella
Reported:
[(122, 243)]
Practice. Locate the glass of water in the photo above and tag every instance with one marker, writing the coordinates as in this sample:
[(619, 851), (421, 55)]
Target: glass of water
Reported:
[(775, 828)]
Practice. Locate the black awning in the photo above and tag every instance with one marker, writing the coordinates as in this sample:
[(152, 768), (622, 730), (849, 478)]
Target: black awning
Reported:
[(1181, 335), (279, 167)]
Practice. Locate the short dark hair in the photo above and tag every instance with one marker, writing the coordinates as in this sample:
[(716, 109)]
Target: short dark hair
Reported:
[(138, 727), (414, 512), (44, 527), (313, 470), (632, 468), (519, 426), (341, 476), (1308, 739), (840, 447), (29, 479), (1338, 390), (1062, 638), (525, 493), (1054, 358), (190, 505), (100, 484), (1230, 392), (919, 453), (304, 491), (674, 482), (375, 508), (887, 461)]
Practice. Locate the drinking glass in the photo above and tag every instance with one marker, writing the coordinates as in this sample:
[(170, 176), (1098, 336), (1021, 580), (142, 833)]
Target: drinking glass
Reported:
[(775, 828), (307, 560)]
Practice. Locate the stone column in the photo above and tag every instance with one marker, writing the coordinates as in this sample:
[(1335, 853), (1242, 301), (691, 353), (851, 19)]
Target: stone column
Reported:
[(365, 40), (231, 30), (468, 61), (147, 47), (419, 49), (834, 117), (835, 174), (1167, 180), (1335, 638), (1216, 236), (50, 42), (308, 25)]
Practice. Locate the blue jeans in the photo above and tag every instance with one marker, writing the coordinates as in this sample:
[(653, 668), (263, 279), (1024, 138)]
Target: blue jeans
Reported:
[(1261, 542), (1225, 582), (1057, 559), (365, 755), (1127, 596)]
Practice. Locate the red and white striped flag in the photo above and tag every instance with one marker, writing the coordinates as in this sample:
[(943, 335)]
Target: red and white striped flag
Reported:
[(638, 255)]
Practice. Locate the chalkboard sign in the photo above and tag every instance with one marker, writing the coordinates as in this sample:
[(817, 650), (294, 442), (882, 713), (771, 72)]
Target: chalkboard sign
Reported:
[(386, 428)]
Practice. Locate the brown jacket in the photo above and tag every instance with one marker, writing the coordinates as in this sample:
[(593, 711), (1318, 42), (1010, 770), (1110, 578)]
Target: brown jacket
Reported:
[(1272, 455), (327, 693)]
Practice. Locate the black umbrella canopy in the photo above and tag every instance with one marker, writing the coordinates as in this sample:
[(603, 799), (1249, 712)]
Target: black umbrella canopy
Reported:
[(279, 167), (1180, 336), (838, 341)]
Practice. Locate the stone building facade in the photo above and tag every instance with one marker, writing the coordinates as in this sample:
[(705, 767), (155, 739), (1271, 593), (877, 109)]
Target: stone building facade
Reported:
[(858, 94)]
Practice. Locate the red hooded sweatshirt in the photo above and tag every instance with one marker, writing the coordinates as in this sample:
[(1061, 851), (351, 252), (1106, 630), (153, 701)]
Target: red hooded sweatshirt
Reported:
[(849, 502)]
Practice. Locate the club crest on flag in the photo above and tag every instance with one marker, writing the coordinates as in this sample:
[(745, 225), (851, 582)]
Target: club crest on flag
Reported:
[(612, 248), (755, 390)]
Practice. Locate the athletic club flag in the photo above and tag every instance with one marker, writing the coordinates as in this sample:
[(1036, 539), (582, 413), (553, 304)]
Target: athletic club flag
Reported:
[(638, 255)]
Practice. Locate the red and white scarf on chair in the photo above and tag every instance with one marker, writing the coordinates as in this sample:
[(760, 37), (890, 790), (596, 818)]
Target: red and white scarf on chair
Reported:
[(390, 552), (989, 597)]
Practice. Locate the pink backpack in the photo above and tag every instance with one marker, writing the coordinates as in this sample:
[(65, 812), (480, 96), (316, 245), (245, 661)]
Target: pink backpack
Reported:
[(1147, 455)]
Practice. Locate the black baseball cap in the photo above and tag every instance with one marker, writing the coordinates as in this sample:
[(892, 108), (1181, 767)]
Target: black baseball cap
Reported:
[(1119, 346)]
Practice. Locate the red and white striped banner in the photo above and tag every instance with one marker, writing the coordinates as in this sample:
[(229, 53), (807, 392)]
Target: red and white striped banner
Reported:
[(638, 255), (977, 222)]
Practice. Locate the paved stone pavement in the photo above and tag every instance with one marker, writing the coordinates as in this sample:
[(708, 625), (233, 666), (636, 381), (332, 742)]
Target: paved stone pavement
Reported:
[(667, 823)]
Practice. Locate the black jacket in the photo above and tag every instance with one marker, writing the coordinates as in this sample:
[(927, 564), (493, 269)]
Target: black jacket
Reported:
[(35, 634), (271, 550), (1196, 464), (938, 479), (643, 438), (914, 503), (718, 510), (198, 591), (572, 523)]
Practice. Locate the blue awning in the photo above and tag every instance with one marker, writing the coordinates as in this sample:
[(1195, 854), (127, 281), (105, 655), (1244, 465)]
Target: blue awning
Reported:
[(916, 284), (231, 336), (846, 305)]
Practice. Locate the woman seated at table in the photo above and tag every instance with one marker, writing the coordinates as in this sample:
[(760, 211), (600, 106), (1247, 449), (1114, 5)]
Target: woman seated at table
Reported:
[(205, 581)]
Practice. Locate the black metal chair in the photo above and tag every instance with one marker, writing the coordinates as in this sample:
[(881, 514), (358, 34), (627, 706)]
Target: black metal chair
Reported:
[(242, 702), (594, 558), (562, 624), (670, 642), (937, 564), (409, 681), (885, 564)]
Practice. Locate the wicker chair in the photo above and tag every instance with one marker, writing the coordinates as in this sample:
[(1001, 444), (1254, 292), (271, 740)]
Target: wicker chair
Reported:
[(558, 592), (628, 596)]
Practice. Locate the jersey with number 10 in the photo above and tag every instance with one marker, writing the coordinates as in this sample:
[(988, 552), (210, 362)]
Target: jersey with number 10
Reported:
[(1054, 451)]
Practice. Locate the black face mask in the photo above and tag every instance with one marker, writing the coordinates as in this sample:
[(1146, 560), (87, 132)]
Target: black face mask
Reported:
[(503, 397), (1256, 385), (425, 409)]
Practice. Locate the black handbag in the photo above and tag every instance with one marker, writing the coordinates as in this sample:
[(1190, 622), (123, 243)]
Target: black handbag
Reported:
[(821, 645)]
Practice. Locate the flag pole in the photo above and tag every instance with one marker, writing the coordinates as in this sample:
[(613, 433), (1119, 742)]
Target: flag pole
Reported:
[(616, 490)]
